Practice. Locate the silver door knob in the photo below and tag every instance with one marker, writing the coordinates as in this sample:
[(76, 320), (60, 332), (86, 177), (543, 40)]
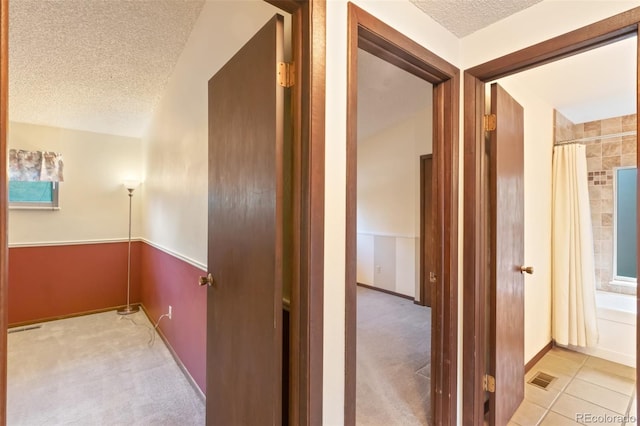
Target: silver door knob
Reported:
[(208, 280), (527, 269)]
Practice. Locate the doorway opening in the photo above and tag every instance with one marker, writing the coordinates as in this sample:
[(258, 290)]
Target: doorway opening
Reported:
[(480, 385), (394, 187), (379, 40), (576, 137)]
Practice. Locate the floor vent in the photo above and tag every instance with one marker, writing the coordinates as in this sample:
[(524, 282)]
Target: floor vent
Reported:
[(18, 329), (542, 380)]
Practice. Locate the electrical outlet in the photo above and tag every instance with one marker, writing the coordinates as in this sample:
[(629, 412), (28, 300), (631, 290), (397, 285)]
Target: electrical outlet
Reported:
[(170, 311), (378, 268)]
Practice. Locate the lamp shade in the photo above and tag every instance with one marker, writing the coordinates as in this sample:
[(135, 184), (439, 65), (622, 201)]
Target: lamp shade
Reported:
[(131, 184)]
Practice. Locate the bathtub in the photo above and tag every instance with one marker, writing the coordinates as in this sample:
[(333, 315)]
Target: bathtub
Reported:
[(617, 328)]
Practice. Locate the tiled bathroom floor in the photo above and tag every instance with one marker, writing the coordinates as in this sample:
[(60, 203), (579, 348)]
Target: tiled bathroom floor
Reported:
[(587, 390)]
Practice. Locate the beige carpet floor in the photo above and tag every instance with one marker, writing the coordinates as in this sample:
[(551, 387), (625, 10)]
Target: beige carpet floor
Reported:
[(101, 369), (393, 360)]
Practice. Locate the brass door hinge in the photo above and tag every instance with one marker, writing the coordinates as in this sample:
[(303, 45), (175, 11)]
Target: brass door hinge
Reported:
[(489, 383), (286, 74), (490, 122)]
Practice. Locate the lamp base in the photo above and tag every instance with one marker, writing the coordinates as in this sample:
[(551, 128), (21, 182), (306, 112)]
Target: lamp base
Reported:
[(128, 310)]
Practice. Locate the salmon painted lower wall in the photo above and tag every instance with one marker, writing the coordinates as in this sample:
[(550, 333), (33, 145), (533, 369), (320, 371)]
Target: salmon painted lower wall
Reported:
[(53, 281), (168, 280)]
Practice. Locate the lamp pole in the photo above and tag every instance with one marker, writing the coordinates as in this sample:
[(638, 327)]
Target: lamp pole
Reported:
[(129, 309)]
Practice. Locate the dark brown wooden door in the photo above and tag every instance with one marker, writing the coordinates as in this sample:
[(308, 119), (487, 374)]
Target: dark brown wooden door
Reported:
[(428, 239), (507, 253), (244, 305)]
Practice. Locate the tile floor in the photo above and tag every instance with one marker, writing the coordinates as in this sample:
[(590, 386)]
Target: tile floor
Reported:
[(587, 390)]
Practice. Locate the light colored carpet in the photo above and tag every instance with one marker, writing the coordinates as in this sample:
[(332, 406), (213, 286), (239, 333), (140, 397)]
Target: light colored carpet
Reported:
[(97, 370), (393, 360)]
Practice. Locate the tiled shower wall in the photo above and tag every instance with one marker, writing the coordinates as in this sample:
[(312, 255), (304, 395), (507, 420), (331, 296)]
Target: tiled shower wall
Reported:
[(603, 156)]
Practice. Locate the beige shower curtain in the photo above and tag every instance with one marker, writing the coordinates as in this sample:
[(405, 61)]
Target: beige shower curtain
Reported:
[(573, 270)]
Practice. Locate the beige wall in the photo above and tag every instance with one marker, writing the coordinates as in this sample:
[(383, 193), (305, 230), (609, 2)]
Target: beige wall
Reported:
[(389, 203), (175, 146), (603, 156), (94, 205)]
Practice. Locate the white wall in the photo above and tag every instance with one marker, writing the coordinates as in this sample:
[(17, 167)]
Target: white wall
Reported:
[(408, 19), (389, 201), (389, 177), (93, 200), (175, 146)]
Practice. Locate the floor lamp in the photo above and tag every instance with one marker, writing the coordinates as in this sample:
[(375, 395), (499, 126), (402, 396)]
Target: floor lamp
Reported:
[(130, 185)]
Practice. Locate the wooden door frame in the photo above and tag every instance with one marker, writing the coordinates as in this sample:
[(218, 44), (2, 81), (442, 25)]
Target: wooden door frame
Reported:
[(376, 37), (309, 34), (581, 40), (425, 296), (307, 284), (4, 205)]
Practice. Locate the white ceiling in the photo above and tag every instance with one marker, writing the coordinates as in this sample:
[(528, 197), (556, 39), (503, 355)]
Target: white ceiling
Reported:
[(387, 94), (97, 65), (594, 85), (463, 17)]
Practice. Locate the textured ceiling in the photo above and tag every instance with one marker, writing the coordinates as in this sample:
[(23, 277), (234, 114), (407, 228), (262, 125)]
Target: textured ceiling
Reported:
[(97, 65), (463, 17), (101, 65)]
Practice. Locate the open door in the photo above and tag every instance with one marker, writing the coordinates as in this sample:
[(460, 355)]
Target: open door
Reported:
[(506, 335), (245, 242)]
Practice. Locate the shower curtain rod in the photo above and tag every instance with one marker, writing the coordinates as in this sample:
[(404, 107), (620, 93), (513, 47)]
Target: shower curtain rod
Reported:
[(595, 138)]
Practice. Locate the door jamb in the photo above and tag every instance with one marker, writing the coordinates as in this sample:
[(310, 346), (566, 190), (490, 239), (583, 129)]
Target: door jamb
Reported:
[(425, 284), (309, 29), (598, 34), (385, 42), (4, 241), (307, 257)]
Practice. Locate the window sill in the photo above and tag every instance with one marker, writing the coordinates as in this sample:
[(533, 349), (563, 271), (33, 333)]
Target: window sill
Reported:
[(34, 208), (632, 284)]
